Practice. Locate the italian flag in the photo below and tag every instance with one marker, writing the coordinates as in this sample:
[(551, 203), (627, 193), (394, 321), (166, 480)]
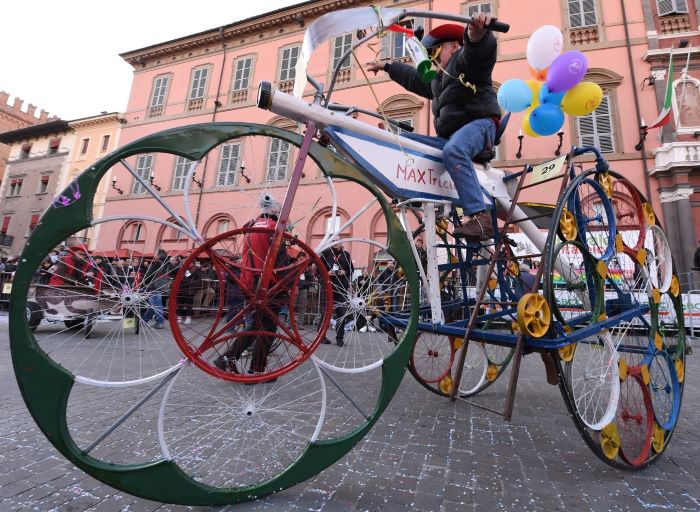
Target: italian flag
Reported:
[(665, 115)]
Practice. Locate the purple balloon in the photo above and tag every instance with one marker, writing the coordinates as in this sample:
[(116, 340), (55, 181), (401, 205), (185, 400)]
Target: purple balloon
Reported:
[(566, 71)]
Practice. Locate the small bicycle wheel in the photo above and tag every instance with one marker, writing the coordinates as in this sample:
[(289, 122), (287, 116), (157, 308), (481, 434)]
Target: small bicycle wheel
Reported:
[(659, 260), (573, 288), (595, 218), (592, 382), (626, 288), (629, 213), (431, 357), (635, 420)]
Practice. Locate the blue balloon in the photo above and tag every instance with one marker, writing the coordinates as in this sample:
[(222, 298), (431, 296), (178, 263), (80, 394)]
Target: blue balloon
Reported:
[(548, 97), (514, 95), (546, 119)]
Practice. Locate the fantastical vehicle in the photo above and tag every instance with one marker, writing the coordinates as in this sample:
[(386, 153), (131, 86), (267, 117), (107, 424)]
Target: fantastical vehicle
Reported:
[(285, 405)]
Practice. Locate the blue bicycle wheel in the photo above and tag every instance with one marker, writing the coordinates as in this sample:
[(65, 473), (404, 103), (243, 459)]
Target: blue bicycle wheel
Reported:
[(595, 218)]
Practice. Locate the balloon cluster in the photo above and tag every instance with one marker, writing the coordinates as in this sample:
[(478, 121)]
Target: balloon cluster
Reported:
[(556, 87)]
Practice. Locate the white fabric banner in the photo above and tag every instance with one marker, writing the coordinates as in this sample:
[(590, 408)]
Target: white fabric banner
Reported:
[(335, 24)]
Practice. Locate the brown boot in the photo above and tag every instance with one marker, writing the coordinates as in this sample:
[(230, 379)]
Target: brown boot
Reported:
[(478, 228)]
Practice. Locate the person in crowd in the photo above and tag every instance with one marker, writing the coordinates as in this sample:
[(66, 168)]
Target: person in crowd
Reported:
[(254, 254), (11, 264), (696, 258), (156, 282), (465, 110), (2, 264), (422, 253), (44, 273), (94, 272), (185, 295), (339, 265), (71, 268), (204, 296)]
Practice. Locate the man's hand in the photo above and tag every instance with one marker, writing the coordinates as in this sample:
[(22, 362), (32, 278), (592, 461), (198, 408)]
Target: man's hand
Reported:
[(375, 66), (476, 30)]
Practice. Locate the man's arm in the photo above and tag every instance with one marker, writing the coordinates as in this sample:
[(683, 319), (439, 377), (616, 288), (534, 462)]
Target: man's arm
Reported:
[(404, 75), (477, 59)]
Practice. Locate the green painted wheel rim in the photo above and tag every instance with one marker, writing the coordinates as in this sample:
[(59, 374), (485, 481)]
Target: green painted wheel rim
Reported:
[(46, 387)]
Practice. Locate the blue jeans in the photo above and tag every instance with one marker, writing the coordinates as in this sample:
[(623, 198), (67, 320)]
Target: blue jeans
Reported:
[(457, 154), (156, 309)]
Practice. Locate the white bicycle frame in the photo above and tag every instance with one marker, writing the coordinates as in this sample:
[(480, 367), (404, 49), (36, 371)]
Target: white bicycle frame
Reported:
[(387, 152)]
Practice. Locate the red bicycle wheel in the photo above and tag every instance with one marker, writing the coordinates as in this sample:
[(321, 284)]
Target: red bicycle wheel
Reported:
[(635, 419), (432, 357), (629, 213), (249, 334)]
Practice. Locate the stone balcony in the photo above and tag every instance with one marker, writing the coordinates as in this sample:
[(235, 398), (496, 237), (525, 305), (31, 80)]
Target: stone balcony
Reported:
[(676, 156)]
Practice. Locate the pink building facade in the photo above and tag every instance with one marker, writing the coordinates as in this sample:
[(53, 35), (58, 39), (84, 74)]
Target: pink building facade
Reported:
[(213, 76)]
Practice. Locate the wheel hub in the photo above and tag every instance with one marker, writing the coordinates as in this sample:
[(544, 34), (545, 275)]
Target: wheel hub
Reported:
[(130, 299)]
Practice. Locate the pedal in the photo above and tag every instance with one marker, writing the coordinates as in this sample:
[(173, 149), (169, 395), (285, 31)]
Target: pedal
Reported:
[(550, 368)]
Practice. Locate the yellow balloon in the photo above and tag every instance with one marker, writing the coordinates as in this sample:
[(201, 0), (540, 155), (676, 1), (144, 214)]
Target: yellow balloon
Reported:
[(582, 99), (525, 124), (535, 86)]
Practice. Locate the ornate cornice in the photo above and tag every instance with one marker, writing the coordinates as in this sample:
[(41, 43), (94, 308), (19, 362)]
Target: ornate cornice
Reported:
[(298, 15)]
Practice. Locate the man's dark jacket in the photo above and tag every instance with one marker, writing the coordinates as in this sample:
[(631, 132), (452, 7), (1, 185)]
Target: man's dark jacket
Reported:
[(453, 104)]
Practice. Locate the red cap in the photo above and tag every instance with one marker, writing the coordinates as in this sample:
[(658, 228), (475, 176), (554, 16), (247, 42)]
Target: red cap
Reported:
[(79, 247), (443, 34)]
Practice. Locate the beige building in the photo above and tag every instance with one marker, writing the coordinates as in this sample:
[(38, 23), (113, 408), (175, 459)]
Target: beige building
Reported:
[(43, 160)]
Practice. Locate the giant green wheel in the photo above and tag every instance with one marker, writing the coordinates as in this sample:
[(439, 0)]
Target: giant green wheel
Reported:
[(125, 405)]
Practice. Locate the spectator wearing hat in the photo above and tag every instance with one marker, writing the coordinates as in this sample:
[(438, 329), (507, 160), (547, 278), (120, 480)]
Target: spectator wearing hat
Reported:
[(71, 268), (465, 110)]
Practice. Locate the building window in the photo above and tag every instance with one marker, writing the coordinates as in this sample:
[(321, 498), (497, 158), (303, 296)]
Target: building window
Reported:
[(84, 146), (43, 184), (182, 165), (666, 7), (686, 107), (596, 128), (15, 188), (478, 7), (5, 225), (26, 149), (198, 88), (393, 42), (241, 79), (582, 13), (228, 165), (132, 236), (32, 224), (222, 226), (105, 143), (341, 44), (278, 160), (160, 91), (287, 63), (53, 146), (144, 163)]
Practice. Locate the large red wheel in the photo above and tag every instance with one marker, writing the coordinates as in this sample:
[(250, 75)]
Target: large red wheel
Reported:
[(251, 335), (432, 356)]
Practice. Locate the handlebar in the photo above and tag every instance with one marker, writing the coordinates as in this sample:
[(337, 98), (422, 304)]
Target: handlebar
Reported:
[(495, 25)]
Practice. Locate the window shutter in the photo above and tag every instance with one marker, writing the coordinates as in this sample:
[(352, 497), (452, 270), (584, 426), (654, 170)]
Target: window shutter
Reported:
[(589, 14), (44, 179), (5, 224), (604, 126), (385, 51), (34, 221), (181, 165), (664, 7), (681, 6)]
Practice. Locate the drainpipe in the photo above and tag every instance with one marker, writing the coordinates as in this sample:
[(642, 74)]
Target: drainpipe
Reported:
[(217, 104), (647, 183), (430, 110)]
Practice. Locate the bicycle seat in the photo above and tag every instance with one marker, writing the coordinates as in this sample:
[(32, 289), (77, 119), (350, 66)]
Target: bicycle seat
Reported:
[(489, 152)]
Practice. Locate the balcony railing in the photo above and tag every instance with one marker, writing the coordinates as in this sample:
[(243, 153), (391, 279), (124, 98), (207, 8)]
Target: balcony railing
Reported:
[(584, 35), (195, 104), (155, 111), (674, 24), (240, 96)]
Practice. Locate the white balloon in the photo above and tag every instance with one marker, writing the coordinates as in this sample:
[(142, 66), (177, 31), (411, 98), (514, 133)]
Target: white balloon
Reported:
[(544, 46)]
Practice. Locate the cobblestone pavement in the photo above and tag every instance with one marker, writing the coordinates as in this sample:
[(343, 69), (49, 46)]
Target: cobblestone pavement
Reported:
[(425, 453)]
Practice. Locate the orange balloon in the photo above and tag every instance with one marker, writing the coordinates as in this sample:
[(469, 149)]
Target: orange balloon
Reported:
[(540, 74)]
